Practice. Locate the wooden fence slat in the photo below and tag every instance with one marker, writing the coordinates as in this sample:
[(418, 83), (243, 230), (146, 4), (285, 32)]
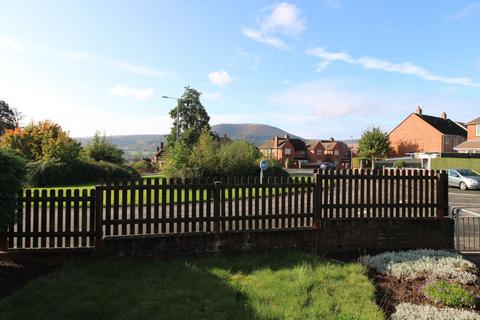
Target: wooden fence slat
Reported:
[(68, 216)]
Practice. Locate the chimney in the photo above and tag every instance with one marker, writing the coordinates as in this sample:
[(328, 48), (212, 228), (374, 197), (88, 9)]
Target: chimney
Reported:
[(419, 110), (287, 137), (161, 145), (158, 149), (331, 139), (444, 115), (275, 141)]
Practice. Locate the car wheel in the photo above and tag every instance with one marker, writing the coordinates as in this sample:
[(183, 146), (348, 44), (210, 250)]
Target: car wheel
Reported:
[(463, 186)]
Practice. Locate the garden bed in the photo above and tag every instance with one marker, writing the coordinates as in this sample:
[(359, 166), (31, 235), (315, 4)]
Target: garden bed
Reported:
[(400, 284)]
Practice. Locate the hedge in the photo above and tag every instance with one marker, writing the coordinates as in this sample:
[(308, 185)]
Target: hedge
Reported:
[(452, 163), (55, 173), (12, 168)]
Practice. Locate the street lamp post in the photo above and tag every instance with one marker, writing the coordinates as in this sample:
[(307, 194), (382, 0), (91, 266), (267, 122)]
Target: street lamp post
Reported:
[(177, 116)]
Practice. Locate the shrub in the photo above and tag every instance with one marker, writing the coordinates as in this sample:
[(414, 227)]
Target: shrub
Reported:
[(12, 168), (275, 169), (407, 311), (449, 294), (55, 173), (433, 264), (399, 164), (142, 166)]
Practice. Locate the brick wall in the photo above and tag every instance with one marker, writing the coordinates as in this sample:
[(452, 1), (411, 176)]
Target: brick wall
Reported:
[(414, 135), (334, 237), (472, 132)]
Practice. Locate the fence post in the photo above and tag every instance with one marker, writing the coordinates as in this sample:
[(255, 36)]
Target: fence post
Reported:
[(317, 192), (98, 216), (216, 207), (442, 194)]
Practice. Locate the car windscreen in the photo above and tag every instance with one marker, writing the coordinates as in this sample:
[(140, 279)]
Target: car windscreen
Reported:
[(467, 173)]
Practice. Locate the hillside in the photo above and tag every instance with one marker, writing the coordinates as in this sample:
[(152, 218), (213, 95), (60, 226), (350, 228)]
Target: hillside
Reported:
[(255, 133), (136, 146)]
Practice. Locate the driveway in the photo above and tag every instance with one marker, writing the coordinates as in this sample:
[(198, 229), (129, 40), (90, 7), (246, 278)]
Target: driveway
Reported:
[(469, 200)]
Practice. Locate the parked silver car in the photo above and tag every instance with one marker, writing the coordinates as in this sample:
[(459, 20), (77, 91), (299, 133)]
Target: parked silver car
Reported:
[(463, 178)]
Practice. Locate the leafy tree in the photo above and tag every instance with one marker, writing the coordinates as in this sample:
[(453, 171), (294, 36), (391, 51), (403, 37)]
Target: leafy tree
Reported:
[(192, 118), (42, 141), (102, 150), (203, 158), (12, 168), (9, 118), (374, 144)]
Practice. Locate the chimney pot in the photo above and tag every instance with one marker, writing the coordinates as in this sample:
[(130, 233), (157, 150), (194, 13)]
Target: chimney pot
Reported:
[(419, 110), (331, 139), (444, 115)]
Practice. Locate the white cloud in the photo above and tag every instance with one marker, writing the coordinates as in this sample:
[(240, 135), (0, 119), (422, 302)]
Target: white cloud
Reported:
[(283, 18), (464, 12), (260, 37), (379, 64), (211, 96), (141, 70), (15, 44), (220, 78), (74, 55), (136, 93)]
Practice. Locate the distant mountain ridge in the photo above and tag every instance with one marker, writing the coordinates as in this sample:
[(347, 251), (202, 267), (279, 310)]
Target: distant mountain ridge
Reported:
[(255, 133), (145, 145)]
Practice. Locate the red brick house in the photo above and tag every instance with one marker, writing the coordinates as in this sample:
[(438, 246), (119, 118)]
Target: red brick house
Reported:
[(424, 133), (472, 145), (298, 153)]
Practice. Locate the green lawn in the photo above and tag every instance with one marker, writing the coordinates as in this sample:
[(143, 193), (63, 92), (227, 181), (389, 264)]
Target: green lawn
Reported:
[(278, 285)]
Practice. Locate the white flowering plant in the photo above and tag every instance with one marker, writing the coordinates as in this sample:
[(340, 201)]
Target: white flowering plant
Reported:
[(423, 263), (407, 311)]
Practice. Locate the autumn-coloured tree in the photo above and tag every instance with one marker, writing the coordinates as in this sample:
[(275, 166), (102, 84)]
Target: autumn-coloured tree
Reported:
[(42, 141)]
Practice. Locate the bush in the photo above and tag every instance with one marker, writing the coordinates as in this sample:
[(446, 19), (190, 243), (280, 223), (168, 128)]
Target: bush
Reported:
[(275, 169), (432, 264), (407, 311), (55, 173), (12, 168), (142, 166), (399, 164), (449, 294)]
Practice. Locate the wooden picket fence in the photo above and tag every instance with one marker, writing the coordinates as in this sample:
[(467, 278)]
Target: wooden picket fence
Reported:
[(58, 219)]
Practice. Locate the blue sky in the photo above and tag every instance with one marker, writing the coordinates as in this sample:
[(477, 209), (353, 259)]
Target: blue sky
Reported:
[(314, 68)]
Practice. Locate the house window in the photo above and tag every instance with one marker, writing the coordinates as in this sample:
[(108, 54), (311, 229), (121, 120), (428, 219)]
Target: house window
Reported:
[(478, 130), (302, 152), (337, 152), (319, 152), (288, 151)]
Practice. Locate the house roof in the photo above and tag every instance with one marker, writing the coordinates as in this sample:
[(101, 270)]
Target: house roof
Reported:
[(471, 144), (298, 145), (445, 126), (474, 121)]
